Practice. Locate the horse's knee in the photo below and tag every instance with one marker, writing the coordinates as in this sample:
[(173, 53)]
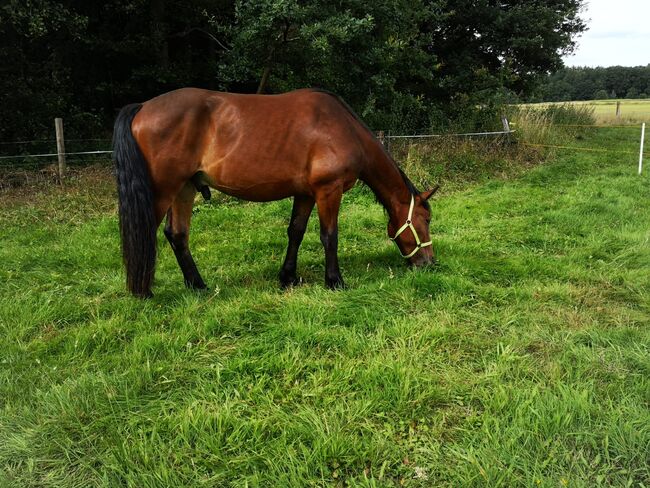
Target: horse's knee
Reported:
[(178, 240), (180, 237), (295, 230), (328, 237)]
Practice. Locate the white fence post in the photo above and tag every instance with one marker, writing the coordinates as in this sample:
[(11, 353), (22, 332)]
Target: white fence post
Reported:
[(641, 151)]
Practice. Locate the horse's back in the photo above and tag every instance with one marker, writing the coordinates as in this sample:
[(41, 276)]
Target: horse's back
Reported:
[(258, 147)]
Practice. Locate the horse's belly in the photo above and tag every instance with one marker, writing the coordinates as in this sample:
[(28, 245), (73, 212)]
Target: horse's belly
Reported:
[(261, 192), (258, 183)]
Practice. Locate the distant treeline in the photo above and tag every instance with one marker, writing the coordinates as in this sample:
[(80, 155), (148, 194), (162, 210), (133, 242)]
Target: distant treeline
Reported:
[(595, 84)]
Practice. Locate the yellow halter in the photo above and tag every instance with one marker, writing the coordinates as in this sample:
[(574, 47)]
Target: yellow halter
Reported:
[(409, 225)]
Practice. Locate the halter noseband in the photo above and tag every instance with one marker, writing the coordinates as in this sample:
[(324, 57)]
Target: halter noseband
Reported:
[(409, 225)]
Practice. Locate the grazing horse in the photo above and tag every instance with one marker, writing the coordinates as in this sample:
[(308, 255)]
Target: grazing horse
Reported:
[(308, 144)]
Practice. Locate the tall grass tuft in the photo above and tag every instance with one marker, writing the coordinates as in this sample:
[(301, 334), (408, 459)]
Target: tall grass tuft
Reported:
[(457, 160), (553, 124)]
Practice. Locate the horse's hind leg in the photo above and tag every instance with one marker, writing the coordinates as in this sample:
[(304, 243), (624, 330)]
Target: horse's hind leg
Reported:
[(329, 202), (177, 231), (302, 207)]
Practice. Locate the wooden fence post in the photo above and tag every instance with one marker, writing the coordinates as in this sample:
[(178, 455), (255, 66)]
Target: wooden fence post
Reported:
[(618, 109), (506, 127), (60, 147)]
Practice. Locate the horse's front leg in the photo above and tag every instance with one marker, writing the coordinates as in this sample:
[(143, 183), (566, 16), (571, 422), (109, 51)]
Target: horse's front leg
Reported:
[(329, 203), (302, 207)]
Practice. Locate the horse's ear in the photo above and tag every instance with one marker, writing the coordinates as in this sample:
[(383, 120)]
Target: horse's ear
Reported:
[(429, 193)]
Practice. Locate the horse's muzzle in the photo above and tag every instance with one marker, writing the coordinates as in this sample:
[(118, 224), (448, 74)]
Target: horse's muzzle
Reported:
[(422, 259)]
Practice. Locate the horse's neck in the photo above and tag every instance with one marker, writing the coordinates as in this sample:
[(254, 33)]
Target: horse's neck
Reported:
[(384, 179)]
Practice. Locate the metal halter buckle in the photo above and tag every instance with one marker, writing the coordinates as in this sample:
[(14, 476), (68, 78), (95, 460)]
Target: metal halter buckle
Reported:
[(409, 225)]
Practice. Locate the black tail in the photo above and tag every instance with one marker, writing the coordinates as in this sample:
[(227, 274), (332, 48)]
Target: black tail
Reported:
[(136, 205)]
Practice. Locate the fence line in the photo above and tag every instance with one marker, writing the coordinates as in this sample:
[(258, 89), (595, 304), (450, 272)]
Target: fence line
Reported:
[(96, 139), (601, 126), (576, 148), (382, 135), (415, 136), (27, 142), (33, 141), (25, 156), (467, 134)]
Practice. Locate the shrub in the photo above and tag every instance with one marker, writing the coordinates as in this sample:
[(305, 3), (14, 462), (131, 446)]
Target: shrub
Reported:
[(601, 95)]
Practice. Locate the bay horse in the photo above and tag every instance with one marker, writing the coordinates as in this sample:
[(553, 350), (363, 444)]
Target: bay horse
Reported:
[(308, 144)]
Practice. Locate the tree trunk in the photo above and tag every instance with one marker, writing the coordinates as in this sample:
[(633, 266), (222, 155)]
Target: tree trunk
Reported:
[(268, 63), (159, 32), (264, 80)]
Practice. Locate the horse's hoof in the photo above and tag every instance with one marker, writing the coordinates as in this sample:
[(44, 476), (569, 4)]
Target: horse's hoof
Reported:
[(196, 285), (288, 280), (335, 283)]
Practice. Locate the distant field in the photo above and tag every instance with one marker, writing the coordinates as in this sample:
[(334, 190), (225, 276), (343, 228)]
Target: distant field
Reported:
[(605, 110)]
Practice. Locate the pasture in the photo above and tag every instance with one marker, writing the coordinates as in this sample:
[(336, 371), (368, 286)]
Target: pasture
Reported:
[(521, 359), (632, 111)]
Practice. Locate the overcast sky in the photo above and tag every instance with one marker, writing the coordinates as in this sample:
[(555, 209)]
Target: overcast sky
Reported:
[(619, 34)]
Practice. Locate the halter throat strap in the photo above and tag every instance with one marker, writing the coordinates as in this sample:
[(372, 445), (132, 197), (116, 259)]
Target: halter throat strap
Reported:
[(409, 225)]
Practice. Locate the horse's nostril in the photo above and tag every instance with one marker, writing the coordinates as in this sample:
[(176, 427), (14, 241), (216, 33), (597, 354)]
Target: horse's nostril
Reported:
[(421, 260)]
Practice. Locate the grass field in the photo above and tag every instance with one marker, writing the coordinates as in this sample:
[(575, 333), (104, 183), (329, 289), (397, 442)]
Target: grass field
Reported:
[(522, 359), (632, 111)]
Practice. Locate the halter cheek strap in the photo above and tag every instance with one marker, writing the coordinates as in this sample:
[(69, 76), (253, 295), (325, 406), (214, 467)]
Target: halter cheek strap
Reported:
[(409, 225)]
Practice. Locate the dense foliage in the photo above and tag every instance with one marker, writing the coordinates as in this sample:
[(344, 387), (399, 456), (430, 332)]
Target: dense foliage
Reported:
[(595, 84), (403, 64)]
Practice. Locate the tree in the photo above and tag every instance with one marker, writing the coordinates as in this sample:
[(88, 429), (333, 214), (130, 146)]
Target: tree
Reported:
[(576, 83), (402, 64), (283, 44), (601, 95), (34, 75), (482, 45)]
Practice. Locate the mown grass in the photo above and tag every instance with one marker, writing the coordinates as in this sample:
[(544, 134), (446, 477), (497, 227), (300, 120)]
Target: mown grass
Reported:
[(522, 359)]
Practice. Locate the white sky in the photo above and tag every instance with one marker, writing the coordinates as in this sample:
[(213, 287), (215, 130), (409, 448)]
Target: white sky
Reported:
[(619, 34)]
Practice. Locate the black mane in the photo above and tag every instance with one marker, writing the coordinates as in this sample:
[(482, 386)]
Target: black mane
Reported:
[(409, 184)]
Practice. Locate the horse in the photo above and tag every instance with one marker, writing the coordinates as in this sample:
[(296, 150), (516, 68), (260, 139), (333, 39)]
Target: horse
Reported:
[(307, 144)]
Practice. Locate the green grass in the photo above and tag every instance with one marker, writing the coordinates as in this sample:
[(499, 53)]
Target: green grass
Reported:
[(632, 111), (521, 360)]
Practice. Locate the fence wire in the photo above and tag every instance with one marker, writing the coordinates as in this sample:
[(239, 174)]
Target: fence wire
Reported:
[(81, 150)]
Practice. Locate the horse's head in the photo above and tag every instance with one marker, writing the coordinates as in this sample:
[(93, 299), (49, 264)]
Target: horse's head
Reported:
[(410, 229)]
